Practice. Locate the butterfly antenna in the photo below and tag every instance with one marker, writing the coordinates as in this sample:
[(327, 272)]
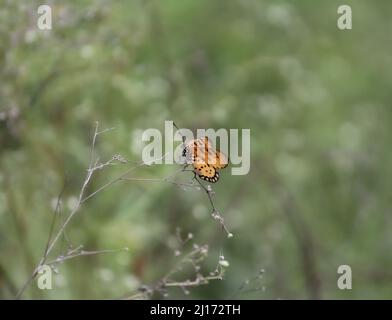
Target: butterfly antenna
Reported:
[(183, 137)]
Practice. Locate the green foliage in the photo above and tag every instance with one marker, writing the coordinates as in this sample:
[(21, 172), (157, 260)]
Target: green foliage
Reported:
[(317, 101)]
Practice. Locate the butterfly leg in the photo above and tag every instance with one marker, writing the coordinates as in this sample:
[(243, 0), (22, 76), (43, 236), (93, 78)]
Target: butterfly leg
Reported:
[(184, 169)]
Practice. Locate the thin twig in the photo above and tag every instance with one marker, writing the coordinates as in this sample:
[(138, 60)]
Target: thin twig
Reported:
[(215, 213), (55, 214), (195, 256), (93, 166), (120, 177), (82, 253)]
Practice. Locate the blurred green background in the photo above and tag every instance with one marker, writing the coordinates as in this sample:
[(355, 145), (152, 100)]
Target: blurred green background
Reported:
[(317, 101)]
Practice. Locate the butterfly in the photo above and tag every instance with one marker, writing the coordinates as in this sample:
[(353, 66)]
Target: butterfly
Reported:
[(205, 159)]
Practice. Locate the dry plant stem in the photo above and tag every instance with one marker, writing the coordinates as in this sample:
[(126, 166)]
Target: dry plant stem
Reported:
[(245, 285), (123, 176), (215, 214), (164, 180), (197, 255), (93, 166), (180, 184), (50, 244), (80, 254)]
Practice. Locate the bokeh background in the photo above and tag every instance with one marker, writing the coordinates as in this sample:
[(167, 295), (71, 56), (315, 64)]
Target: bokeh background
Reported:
[(317, 101)]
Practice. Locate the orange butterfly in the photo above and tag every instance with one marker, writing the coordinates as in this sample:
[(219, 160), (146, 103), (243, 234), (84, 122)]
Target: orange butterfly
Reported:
[(205, 159)]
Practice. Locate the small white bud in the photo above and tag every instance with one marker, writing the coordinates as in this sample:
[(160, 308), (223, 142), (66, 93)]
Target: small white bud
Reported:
[(224, 263)]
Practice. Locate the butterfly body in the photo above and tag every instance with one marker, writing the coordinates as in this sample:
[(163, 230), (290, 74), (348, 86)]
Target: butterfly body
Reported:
[(205, 159)]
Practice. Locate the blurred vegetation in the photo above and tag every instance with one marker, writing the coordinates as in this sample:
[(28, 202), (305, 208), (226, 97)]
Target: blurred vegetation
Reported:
[(317, 101)]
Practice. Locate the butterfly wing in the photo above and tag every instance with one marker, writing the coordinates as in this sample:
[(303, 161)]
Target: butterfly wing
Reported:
[(213, 157), (206, 172), (205, 159), (221, 161)]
